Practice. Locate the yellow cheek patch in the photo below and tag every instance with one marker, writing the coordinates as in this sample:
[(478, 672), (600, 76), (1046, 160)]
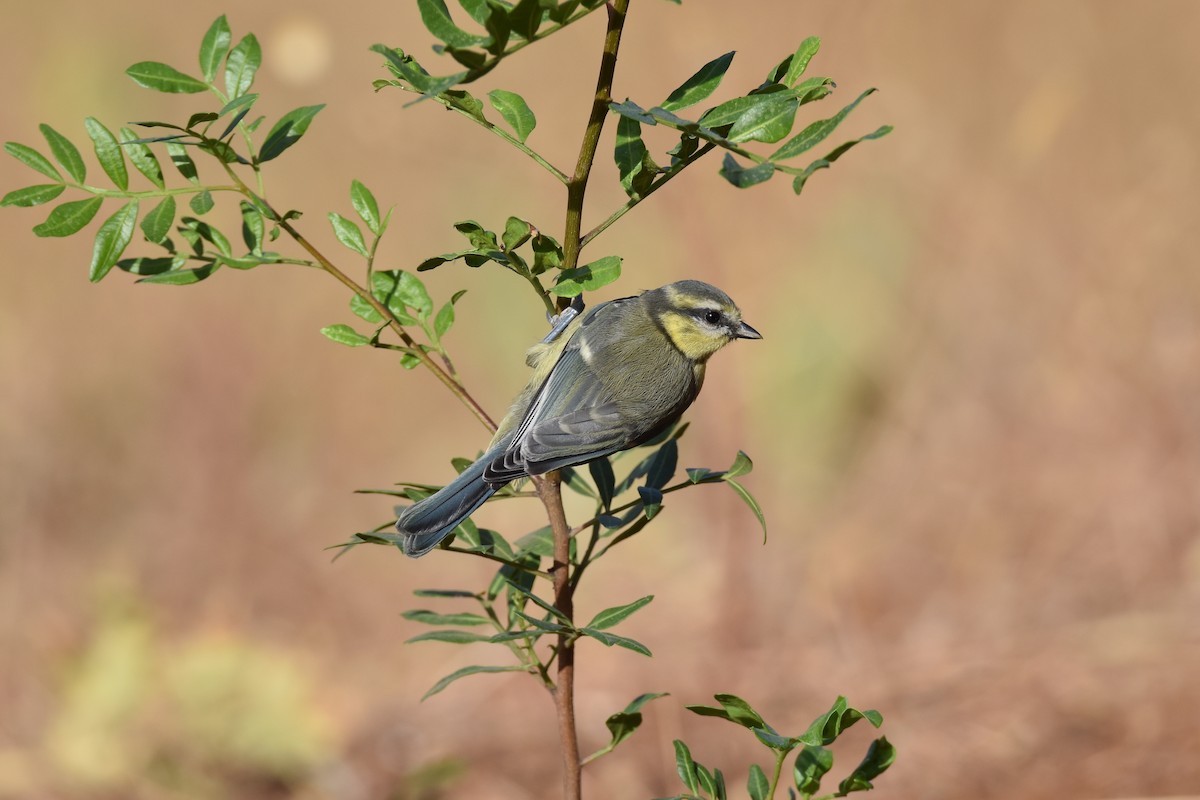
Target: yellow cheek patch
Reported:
[(693, 341)]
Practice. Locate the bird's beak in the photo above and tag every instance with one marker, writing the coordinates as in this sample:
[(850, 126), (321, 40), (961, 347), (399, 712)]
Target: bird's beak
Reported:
[(744, 331)]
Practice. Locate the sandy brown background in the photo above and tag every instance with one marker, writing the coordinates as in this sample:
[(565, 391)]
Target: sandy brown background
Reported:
[(974, 414)]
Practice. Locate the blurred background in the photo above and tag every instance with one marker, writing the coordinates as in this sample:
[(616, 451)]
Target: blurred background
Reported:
[(974, 417)]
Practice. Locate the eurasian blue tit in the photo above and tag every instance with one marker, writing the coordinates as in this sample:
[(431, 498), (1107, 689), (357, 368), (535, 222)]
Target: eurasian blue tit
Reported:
[(614, 378)]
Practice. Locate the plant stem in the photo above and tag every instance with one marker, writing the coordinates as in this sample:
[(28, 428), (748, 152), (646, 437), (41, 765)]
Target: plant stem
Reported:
[(550, 488), (779, 757), (633, 201), (577, 186), (456, 388), (503, 134), (564, 689)]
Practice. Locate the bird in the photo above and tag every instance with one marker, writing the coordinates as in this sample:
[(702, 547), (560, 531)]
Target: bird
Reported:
[(608, 380)]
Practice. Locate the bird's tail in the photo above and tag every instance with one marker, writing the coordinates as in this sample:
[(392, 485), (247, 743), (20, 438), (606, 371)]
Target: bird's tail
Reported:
[(425, 523)]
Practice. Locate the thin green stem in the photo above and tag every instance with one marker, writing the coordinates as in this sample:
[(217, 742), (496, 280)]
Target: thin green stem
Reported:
[(577, 186), (456, 388), (495, 60), (654, 187), (780, 755), (499, 559), (550, 487), (191, 189), (503, 134)]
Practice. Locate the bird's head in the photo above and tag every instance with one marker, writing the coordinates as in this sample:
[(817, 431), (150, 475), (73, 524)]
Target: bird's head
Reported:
[(698, 318)]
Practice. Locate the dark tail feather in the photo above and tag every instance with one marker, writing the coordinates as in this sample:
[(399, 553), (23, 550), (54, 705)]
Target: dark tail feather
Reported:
[(425, 523)]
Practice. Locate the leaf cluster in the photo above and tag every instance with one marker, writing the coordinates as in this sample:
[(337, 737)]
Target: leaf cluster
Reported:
[(810, 766), (227, 73)]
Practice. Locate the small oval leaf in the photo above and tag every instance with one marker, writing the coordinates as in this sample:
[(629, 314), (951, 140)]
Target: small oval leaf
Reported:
[(112, 239), (162, 78), (69, 218)]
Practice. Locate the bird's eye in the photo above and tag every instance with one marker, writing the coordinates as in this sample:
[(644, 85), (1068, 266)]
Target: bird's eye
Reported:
[(712, 317)]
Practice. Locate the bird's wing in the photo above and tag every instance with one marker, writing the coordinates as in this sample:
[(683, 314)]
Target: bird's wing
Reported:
[(572, 419)]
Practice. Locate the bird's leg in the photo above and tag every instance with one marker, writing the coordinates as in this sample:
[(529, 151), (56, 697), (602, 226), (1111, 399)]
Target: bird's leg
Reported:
[(559, 322)]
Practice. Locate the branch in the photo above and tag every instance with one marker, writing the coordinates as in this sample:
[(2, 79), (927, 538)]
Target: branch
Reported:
[(550, 488), (577, 186), (457, 389)]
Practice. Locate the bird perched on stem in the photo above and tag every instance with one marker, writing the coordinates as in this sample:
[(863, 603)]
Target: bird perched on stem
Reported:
[(614, 378)]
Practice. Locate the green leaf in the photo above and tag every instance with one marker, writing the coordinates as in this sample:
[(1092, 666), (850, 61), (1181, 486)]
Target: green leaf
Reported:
[(108, 152), (348, 233), (611, 616), (69, 218), (344, 334), (157, 224), (811, 765), (440, 593), (623, 724), (465, 101), (757, 785), (464, 672), (32, 159), (244, 103), (774, 740), (742, 465), (450, 637), (750, 501), (731, 111), (183, 162), (744, 177), (287, 131), (181, 277), (740, 711), (629, 153), (662, 465), (244, 60), (200, 117), (208, 233), (826, 728), (633, 111), (437, 19), (602, 475), (816, 132), (112, 238), (202, 202), (516, 112), (824, 163), (64, 153), (445, 315), (651, 501), (430, 618), (547, 253), (768, 121), (33, 195), (609, 639), (589, 277), (516, 233), (213, 47), (699, 86), (526, 593), (142, 157), (686, 766), (526, 17), (253, 227), (804, 54), (880, 755), (162, 78), (150, 266), (365, 206), (411, 291)]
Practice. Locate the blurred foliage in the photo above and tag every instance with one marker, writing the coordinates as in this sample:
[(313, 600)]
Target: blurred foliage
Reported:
[(199, 716)]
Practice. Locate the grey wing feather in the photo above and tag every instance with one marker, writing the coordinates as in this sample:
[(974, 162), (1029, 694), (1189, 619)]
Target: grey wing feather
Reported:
[(573, 419)]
